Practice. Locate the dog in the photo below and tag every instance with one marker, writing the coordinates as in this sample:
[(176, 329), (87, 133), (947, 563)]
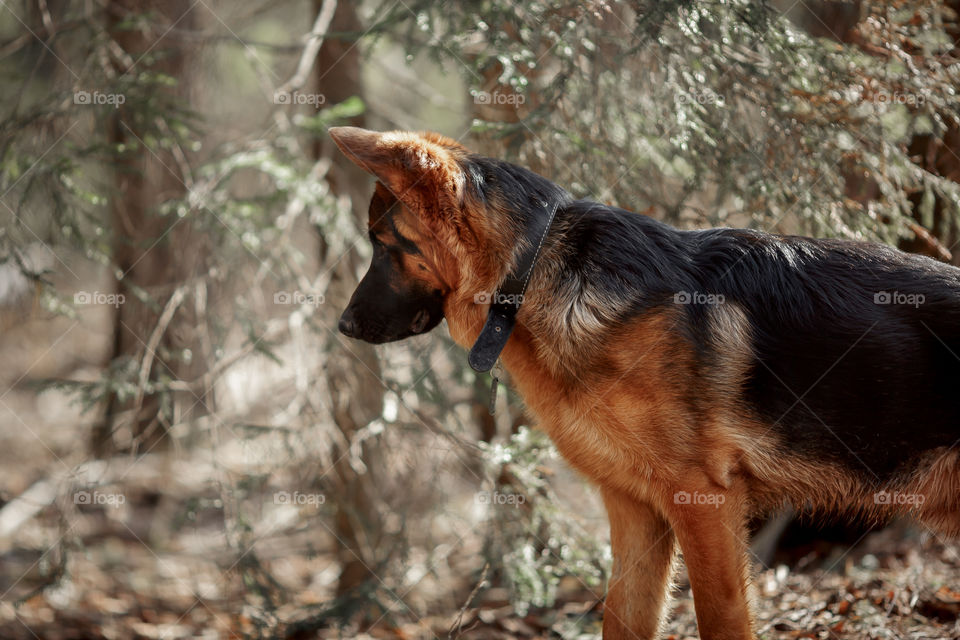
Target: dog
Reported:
[(696, 377)]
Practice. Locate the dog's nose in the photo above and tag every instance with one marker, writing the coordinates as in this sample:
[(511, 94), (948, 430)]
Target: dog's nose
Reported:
[(346, 325)]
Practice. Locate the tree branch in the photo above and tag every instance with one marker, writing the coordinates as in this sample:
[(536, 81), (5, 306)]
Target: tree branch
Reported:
[(310, 51)]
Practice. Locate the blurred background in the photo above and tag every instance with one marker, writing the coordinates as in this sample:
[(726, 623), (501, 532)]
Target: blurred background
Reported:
[(190, 450)]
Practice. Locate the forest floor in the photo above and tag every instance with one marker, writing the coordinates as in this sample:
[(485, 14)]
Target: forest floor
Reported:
[(107, 583), (173, 546)]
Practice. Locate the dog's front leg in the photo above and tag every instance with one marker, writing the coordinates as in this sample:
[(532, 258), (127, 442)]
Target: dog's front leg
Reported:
[(711, 530), (643, 552)]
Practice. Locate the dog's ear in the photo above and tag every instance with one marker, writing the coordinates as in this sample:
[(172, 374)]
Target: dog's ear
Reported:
[(420, 169)]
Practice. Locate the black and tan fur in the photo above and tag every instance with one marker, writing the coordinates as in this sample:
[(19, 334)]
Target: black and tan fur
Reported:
[(746, 368)]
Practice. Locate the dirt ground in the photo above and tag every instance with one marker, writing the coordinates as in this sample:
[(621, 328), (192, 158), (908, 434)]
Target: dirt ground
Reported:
[(100, 579)]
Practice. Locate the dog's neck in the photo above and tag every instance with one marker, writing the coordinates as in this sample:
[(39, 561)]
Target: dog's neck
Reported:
[(533, 345), (465, 320), (508, 297)]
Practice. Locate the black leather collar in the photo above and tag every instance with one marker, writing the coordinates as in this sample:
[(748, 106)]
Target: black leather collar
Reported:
[(506, 302)]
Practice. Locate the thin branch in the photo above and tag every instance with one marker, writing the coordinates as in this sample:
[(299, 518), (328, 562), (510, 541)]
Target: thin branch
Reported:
[(930, 242), (151, 348), (315, 41), (457, 627)]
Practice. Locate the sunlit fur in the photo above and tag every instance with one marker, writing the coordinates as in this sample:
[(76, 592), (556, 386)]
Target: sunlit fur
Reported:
[(652, 399)]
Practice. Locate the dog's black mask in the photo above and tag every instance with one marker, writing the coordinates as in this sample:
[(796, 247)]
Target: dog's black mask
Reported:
[(391, 302)]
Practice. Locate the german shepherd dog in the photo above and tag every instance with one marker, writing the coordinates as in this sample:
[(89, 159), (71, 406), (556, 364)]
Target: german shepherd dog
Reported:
[(697, 377)]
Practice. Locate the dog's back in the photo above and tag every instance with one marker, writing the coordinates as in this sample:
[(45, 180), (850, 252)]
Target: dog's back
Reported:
[(857, 346)]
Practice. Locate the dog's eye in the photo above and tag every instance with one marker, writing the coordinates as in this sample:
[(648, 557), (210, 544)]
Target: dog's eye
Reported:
[(379, 248), (421, 266)]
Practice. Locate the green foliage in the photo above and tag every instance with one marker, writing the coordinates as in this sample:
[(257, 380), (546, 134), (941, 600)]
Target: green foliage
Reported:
[(319, 122), (708, 110), (534, 539)]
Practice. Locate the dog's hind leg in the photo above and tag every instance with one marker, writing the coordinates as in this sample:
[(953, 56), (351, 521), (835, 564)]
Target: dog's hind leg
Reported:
[(644, 548), (711, 530), (937, 494)]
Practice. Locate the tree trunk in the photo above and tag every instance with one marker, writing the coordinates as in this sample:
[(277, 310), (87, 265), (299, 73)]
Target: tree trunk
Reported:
[(353, 374), (156, 254)]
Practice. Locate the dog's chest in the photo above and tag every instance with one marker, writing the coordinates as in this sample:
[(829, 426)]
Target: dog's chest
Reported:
[(620, 439)]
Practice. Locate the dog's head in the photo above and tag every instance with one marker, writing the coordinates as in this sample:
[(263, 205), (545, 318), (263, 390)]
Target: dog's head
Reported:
[(419, 193)]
